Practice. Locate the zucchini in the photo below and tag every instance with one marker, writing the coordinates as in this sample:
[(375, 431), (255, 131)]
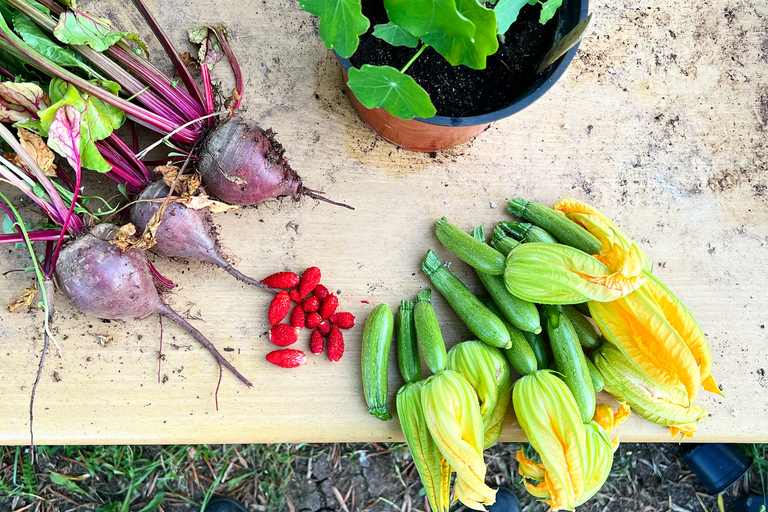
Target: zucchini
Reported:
[(597, 378), (407, 346), (588, 335), (377, 340), (428, 332), (569, 359), (475, 253), (485, 325), (583, 308), (557, 224), (539, 346), (520, 355), (503, 243), (527, 232), (520, 313)]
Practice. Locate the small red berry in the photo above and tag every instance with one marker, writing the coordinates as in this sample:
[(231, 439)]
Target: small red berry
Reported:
[(279, 307), (294, 295), (309, 279), (329, 306), (287, 358), (283, 335), (297, 317), (321, 292), (316, 342), (343, 320), (281, 280), (335, 344), (313, 320), (324, 328), (310, 304)]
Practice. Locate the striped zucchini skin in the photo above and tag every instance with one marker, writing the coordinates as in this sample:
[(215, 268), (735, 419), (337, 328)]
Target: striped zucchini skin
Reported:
[(588, 335), (503, 243), (569, 359), (520, 355), (597, 378), (527, 232), (377, 341), (485, 325), (473, 252), (428, 333), (559, 226), (539, 346), (407, 346)]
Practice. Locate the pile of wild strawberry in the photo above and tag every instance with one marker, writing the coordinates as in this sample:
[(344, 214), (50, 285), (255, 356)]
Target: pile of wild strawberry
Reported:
[(315, 308)]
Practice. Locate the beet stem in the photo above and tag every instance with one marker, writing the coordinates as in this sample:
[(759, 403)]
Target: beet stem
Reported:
[(239, 275), (167, 312), (32, 398), (316, 194)]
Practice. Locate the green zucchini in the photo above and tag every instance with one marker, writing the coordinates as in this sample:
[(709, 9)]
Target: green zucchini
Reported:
[(520, 355), (588, 335), (558, 225), (520, 313), (527, 232), (539, 346), (485, 325), (428, 332), (583, 308), (377, 340), (569, 359), (407, 346), (477, 254), (597, 378), (503, 243)]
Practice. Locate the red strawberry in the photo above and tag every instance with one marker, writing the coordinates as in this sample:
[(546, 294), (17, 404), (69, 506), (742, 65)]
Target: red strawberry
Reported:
[(324, 328), (310, 304), (297, 317), (335, 344), (279, 307), (309, 279), (316, 342), (287, 358), (321, 292), (328, 307), (281, 280), (294, 295), (343, 320), (313, 320), (283, 335)]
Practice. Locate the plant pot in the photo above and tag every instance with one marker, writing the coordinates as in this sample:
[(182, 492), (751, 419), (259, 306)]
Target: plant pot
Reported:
[(442, 132), (717, 465), (751, 504)]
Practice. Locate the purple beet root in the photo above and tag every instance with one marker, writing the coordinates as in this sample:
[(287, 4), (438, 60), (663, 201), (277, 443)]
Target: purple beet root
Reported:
[(101, 280), (242, 164), (183, 232)]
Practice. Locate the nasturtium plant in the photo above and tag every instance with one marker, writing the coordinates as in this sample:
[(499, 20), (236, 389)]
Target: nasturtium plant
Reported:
[(464, 32)]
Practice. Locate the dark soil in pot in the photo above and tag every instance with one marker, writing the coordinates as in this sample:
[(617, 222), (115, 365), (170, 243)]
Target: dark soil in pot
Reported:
[(461, 91)]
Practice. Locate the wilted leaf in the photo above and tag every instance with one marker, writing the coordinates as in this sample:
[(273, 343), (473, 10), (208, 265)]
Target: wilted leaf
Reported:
[(66, 482), (64, 135), (21, 101), (26, 299), (124, 237), (395, 35), (77, 27), (341, 23), (38, 150), (210, 48), (204, 202), (386, 87), (186, 184)]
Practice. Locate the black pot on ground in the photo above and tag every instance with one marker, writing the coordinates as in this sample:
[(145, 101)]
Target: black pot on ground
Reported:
[(717, 465), (752, 504)]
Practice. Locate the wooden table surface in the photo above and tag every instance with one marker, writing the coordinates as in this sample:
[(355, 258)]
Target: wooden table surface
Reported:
[(661, 122)]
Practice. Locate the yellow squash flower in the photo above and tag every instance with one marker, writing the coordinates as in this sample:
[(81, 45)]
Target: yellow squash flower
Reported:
[(433, 468), (575, 458), (663, 405), (487, 371), (452, 414)]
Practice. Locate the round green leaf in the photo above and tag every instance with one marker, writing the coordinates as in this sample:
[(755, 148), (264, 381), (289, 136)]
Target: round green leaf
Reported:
[(472, 50), (341, 23), (395, 35), (386, 87)]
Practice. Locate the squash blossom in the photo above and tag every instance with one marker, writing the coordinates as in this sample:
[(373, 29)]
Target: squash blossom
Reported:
[(663, 405), (452, 414), (487, 371), (575, 458), (433, 469)]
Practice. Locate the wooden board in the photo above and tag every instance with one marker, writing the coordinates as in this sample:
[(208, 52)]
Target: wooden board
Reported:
[(661, 122)]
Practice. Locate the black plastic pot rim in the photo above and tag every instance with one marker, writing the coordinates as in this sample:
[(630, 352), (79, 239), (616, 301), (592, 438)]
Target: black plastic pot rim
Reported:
[(536, 91)]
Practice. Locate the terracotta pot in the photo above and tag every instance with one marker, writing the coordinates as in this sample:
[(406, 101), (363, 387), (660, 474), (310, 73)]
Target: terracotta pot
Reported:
[(442, 132)]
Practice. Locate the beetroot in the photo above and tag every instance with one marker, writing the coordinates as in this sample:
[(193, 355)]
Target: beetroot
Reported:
[(242, 164), (101, 280), (183, 232)]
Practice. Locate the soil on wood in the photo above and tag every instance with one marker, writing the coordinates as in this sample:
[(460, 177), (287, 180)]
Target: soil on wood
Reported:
[(460, 91)]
